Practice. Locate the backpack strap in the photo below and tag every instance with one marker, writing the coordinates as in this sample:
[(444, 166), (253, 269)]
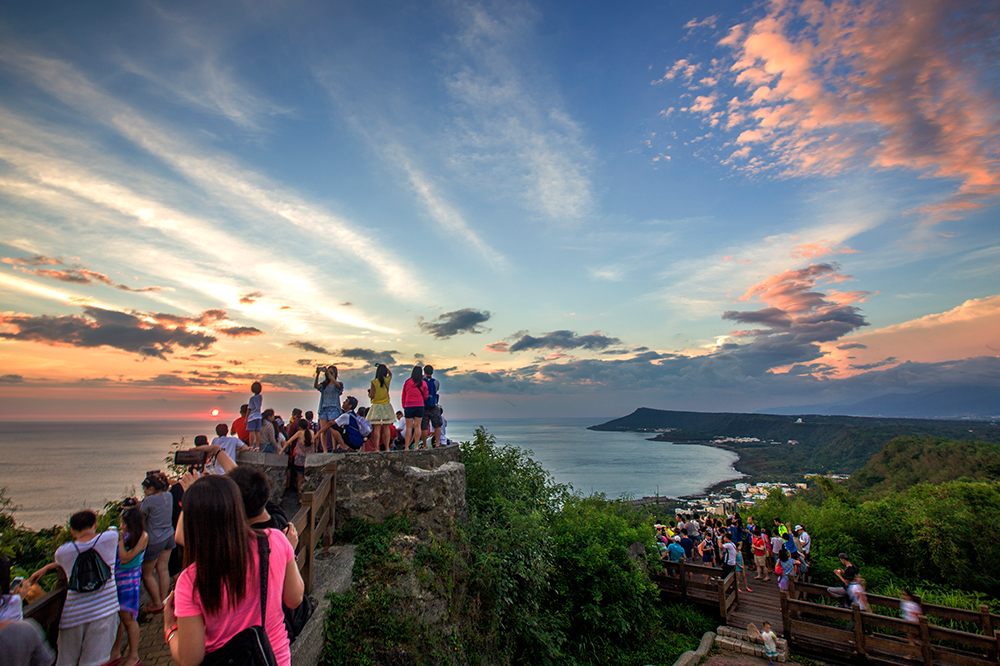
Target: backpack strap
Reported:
[(264, 550)]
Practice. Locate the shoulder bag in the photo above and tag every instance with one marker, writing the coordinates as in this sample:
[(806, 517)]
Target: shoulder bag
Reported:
[(251, 646)]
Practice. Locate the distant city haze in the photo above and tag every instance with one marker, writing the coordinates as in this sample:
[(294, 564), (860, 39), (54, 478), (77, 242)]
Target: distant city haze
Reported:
[(567, 209)]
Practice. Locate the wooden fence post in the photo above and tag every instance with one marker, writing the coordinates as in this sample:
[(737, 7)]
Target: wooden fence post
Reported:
[(987, 622), (721, 589), (308, 538), (332, 503), (684, 588), (785, 619), (859, 630), (925, 640)]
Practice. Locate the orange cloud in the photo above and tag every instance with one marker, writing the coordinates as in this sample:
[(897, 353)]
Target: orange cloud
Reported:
[(792, 291), (969, 330), (498, 347), (819, 249), (888, 83)]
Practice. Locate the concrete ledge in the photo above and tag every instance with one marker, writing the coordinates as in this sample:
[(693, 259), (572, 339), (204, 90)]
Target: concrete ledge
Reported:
[(738, 640), (692, 657), (332, 574)]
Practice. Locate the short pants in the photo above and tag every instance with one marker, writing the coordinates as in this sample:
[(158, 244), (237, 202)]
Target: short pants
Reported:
[(153, 550), (413, 412), (253, 426), (432, 417)]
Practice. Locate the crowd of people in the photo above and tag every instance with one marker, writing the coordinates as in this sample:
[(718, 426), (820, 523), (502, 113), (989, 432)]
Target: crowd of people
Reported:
[(214, 553), (735, 546)]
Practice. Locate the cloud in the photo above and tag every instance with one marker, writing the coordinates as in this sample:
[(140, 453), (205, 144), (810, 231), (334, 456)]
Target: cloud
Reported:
[(251, 298), (798, 318), (828, 87), (466, 320), (104, 328), (11, 379), (77, 275), (37, 260), (819, 249), (369, 356), (851, 345), (564, 340), (498, 347), (309, 347), (878, 364), (240, 331)]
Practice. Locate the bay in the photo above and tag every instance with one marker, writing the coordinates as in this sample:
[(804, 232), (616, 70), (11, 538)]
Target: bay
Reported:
[(52, 469)]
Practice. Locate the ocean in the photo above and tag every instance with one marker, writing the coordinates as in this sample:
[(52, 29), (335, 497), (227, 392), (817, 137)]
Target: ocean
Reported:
[(53, 469)]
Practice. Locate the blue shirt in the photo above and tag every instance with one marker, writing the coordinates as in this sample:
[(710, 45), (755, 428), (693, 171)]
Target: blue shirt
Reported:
[(675, 552), (254, 406)]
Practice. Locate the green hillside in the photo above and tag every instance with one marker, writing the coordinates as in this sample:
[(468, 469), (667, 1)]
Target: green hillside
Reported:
[(907, 461), (841, 444)]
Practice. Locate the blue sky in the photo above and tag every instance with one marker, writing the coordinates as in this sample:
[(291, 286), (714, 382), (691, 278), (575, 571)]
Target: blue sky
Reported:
[(564, 208)]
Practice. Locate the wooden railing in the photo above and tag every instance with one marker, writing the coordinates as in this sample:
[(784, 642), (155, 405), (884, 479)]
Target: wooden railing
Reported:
[(815, 627), (46, 609), (700, 585), (315, 521)]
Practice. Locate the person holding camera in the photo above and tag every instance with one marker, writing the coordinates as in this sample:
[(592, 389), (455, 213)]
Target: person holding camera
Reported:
[(330, 390), (157, 507)]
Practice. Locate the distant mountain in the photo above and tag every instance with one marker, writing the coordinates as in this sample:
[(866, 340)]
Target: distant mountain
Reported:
[(959, 402), (792, 445)]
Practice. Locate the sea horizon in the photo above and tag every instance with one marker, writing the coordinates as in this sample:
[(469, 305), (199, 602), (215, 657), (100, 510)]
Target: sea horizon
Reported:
[(54, 468)]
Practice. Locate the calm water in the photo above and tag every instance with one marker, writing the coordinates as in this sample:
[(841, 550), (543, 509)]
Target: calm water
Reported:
[(54, 469)]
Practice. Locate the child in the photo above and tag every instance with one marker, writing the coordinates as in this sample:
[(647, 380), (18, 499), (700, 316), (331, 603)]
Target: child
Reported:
[(770, 648), (741, 572), (254, 416), (132, 541), (909, 608), (298, 446)]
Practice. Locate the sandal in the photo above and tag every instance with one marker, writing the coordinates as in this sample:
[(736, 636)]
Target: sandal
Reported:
[(149, 608)]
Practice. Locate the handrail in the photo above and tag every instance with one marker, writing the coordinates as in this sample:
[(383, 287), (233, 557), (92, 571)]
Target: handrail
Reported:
[(985, 620), (722, 594), (314, 521), (865, 635)]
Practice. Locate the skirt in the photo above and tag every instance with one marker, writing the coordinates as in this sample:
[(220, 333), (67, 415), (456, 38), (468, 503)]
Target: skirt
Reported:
[(127, 581), (382, 414)]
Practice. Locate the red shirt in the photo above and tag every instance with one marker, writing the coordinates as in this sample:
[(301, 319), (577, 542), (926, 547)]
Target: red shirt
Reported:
[(413, 396), (239, 428)]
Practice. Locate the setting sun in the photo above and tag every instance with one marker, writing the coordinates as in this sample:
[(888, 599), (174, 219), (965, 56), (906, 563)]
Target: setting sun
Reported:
[(215, 412)]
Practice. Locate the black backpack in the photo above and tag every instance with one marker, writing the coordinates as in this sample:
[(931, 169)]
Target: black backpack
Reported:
[(90, 571)]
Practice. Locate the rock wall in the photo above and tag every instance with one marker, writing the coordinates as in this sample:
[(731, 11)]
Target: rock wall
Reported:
[(426, 486)]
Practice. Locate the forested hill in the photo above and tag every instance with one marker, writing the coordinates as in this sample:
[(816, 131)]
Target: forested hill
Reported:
[(825, 444), (907, 461)]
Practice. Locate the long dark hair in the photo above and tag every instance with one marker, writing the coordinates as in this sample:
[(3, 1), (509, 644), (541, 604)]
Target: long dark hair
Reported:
[(381, 372), (135, 524), (417, 376), (217, 539), (156, 480), (304, 427), (326, 376)]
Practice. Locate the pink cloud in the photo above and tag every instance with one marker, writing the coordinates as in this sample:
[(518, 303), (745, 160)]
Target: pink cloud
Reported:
[(498, 347), (889, 84), (793, 291), (819, 249), (969, 330)]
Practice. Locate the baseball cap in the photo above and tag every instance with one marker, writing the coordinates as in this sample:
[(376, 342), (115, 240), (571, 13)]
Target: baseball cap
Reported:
[(677, 538), (798, 527)]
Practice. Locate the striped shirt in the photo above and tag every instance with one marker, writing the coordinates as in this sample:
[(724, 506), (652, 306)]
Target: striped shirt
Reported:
[(83, 607)]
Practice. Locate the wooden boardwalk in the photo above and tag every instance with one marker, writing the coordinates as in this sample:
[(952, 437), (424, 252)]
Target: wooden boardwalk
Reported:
[(763, 604)]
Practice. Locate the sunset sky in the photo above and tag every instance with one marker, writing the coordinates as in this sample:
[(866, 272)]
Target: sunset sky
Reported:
[(569, 209)]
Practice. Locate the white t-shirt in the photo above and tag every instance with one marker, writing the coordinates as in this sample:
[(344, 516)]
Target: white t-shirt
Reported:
[(401, 426), (804, 542), (364, 427), (730, 553), (10, 608), (769, 637), (83, 607), (910, 610), (229, 445)]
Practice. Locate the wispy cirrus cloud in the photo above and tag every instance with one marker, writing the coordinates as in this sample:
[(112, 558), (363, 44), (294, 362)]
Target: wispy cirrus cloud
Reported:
[(889, 84), (238, 188), (511, 128), (77, 275)]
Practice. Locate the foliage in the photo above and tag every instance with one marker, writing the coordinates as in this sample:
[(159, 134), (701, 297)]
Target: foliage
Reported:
[(907, 461), (28, 549), (939, 535), (537, 575)]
